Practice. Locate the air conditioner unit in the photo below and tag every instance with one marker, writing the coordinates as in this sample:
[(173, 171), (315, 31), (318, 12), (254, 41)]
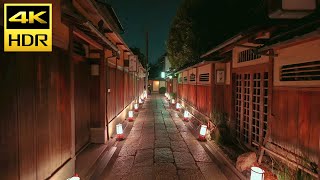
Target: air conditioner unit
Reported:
[(290, 9)]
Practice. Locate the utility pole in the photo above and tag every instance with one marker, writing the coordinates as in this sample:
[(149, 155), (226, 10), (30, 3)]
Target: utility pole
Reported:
[(147, 59)]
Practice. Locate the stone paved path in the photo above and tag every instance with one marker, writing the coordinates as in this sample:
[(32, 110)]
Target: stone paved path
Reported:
[(160, 146)]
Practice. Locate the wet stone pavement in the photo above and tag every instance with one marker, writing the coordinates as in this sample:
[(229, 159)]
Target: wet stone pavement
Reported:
[(160, 146)]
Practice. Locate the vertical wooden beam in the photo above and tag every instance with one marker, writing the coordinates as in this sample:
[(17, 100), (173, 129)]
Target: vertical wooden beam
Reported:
[(261, 110), (102, 82), (242, 107), (72, 111)]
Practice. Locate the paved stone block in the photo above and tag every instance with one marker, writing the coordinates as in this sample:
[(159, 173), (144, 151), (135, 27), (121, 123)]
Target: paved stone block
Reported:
[(144, 158), (179, 146), (122, 166), (200, 156), (163, 142), (165, 171), (190, 174), (187, 136), (140, 173), (175, 137), (183, 157), (182, 166), (163, 155), (210, 170)]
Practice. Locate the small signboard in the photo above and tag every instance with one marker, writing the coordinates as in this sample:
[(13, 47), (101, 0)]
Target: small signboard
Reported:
[(133, 63)]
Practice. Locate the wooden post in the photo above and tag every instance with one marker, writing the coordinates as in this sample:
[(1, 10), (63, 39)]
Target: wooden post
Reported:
[(72, 111), (102, 98)]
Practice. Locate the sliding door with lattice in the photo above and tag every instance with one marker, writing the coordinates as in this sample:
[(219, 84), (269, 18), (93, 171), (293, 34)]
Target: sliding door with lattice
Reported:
[(251, 106)]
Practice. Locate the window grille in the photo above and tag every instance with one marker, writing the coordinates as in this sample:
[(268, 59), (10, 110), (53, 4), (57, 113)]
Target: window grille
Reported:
[(79, 49), (185, 79), (192, 77), (248, 55), (204, 77), (308, 71)]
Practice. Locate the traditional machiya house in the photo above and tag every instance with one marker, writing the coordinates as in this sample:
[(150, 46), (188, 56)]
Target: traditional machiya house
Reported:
[(269, 88), (54, 104)]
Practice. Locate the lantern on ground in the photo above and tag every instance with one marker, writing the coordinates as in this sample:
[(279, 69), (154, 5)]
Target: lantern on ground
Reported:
[(140, 101), (257, 173), (178, 106), (119, 132), (186, 115), (75, 177), (136, 107), (169, 97), (202, 135), (130, 116), (145, 95), (173, 101)]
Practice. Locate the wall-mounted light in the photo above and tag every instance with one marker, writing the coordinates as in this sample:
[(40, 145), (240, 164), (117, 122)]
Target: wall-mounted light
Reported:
[(257, 173), (202, 134), (186, 115), (136, 107), (163, 74), (130, 116), (119, 131), (94, 69)]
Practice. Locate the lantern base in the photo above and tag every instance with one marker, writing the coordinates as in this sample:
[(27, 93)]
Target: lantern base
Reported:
[(186, 119), (120, 137), (130, 119), (177, 109), (202, 138), (136, 110)]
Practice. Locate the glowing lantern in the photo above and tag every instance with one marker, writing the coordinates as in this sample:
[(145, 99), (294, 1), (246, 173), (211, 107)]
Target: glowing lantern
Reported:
[(145, 95), (136, 107), (130, 116), (119, 132), (173, 101), (257, 173), (178, 106), (169, 97), (75, 177), (186, 115), (140, 101), (203, 130)]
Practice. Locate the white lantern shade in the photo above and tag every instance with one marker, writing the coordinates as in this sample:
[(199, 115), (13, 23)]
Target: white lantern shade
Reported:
[(203, 130), (257, 173), (140, 101), (130, 114), (178, 106), (169, 97), (136, 106), (173, 101), (119, 129), (186, 114), (74, 178)]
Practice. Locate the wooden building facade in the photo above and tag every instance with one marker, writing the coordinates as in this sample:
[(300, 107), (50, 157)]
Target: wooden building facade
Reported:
[(53, 104), (267, 82)]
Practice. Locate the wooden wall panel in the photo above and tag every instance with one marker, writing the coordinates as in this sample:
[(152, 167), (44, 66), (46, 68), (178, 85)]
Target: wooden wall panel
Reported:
[(119, 91), (192, 96), (296, 119), (9, 135), (204, 105), (112, 94), (82, 104)]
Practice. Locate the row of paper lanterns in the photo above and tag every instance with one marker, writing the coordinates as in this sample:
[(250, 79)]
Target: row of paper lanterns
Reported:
[(256, 172)]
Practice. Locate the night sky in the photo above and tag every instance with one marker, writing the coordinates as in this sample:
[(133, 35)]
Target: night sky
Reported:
[(136, 16)]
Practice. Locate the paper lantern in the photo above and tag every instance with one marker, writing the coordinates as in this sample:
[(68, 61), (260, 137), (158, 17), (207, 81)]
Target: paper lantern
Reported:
[(257, 173), (140, 101), (186, 115), (136, 107), (130, 116), (119, 132), (75, 177), (173, 101), (178, 106), (202, 135)]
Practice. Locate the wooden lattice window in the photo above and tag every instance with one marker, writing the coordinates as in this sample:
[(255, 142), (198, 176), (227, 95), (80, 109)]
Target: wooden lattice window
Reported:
[(185, 79), (251, 106), (308, 71), (248, 55)]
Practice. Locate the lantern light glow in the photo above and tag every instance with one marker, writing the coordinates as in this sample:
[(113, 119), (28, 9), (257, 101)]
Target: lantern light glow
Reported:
[(203, 131), (163, 74), (119, 131), (173, 101), (257, 173), (178, 106), (130, 115), (186, 115), (140, 101), (136, 107)]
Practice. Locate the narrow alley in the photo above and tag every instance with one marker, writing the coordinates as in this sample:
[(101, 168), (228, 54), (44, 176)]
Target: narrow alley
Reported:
[(160, 146)]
